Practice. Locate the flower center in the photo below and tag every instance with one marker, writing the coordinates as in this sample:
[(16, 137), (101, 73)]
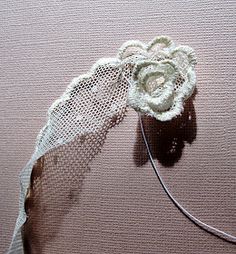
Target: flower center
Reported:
[(153, 83)]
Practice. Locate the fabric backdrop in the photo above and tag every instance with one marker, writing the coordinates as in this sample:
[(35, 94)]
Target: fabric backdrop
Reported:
[(122, 208)]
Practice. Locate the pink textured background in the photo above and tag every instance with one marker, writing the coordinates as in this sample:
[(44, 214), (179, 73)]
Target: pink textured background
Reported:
[(43, 45)]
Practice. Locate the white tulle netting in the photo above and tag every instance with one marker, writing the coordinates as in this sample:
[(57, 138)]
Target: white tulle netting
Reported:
[(80, 119)]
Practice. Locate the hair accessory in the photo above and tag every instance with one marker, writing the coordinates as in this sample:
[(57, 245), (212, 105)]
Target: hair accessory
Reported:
[(155, 79)]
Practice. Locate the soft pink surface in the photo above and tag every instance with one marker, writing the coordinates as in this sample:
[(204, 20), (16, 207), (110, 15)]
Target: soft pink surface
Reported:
[(123, 208)]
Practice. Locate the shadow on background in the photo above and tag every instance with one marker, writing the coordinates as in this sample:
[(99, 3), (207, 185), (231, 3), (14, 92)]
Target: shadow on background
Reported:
[(56, 184), (166, 139)]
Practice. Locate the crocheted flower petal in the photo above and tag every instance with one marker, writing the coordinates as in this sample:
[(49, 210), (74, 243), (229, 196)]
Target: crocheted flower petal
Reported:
[(184, 57), (131, 48), (188, 86), (185, 60), (164, 43), (176, 109), (139, 102), (144, 67), (162, 69), (165, 99)]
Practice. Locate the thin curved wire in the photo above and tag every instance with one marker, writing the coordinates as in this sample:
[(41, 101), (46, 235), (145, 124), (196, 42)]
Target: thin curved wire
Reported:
[(219, 233)]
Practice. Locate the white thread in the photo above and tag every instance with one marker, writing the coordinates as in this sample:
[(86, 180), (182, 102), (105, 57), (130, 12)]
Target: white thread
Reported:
[(219, 233)]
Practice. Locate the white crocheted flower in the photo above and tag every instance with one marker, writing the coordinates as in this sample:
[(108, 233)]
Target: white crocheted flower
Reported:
[(163, 76)]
